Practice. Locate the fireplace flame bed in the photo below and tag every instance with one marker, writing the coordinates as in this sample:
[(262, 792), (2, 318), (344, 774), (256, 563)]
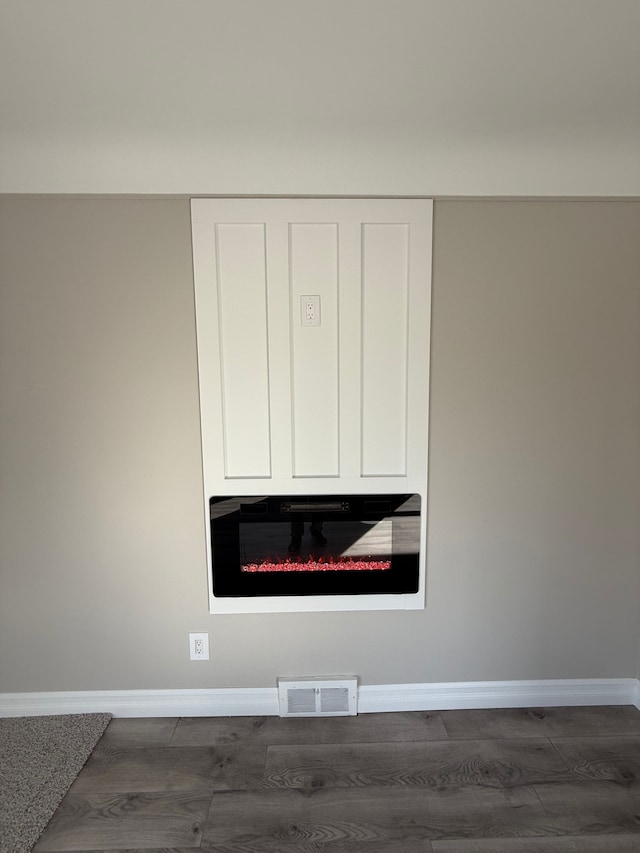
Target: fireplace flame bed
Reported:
[(331, 564)]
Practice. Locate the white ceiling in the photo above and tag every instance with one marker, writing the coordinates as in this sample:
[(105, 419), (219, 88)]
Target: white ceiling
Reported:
[(424, 97)]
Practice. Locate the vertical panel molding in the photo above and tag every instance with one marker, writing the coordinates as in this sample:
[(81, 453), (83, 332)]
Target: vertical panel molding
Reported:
[(242, 318), (313, 252), (385, 300)]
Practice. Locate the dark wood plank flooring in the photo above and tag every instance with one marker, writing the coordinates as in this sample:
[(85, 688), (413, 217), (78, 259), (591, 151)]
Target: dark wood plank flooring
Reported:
[(490, 781)]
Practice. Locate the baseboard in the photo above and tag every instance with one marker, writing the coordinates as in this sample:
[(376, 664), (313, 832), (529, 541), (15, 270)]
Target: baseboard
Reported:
[(498, 694), (233, 702), (263, 701)]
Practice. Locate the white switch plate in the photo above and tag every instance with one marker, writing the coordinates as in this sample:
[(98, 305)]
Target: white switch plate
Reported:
[(198, 646), (310, 310)]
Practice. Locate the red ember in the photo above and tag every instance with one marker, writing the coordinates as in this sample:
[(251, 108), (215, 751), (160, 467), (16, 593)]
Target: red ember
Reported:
[(343, 564)]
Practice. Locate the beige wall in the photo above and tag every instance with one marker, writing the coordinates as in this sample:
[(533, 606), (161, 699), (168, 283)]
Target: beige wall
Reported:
[(535, 458)]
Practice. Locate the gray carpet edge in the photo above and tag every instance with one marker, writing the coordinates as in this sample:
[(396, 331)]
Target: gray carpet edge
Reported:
[(40, 758)]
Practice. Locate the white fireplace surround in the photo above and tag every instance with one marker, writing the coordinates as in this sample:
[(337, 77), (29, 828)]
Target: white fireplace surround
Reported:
[(292, 408)]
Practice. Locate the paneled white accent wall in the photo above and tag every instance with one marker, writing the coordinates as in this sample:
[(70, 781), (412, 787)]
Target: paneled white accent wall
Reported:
[(336, 406)]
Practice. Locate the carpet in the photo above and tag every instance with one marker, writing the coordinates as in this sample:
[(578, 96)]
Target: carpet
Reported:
[(39, 759)]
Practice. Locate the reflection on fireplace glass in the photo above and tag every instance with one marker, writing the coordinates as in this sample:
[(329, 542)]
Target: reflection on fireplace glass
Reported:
[(316, 546)]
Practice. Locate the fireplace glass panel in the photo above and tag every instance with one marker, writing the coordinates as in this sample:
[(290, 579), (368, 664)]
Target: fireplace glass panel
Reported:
[(318, 545)]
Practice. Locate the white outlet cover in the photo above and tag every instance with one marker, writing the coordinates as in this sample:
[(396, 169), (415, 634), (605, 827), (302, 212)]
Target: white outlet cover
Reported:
[(199, 646), (310, 310)]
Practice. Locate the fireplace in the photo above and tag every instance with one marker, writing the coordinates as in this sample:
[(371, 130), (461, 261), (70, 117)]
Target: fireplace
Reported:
[(328, 545)]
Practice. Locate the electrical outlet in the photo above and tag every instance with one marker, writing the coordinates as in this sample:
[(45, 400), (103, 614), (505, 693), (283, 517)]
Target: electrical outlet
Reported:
[(310, 310), (198, 646)]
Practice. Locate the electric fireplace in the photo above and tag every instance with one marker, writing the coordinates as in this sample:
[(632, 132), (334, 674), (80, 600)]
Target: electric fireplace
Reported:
[(284, 545)]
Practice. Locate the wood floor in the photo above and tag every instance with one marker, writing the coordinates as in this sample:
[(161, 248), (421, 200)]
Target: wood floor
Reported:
[(508, 781)]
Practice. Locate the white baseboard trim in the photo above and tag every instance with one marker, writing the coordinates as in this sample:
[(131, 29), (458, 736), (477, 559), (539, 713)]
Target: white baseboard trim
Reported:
[(233, 702), (263, 701), (498, 694)]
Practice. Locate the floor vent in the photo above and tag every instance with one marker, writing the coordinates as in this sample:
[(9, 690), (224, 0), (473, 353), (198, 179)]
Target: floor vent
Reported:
[(318, 697)]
